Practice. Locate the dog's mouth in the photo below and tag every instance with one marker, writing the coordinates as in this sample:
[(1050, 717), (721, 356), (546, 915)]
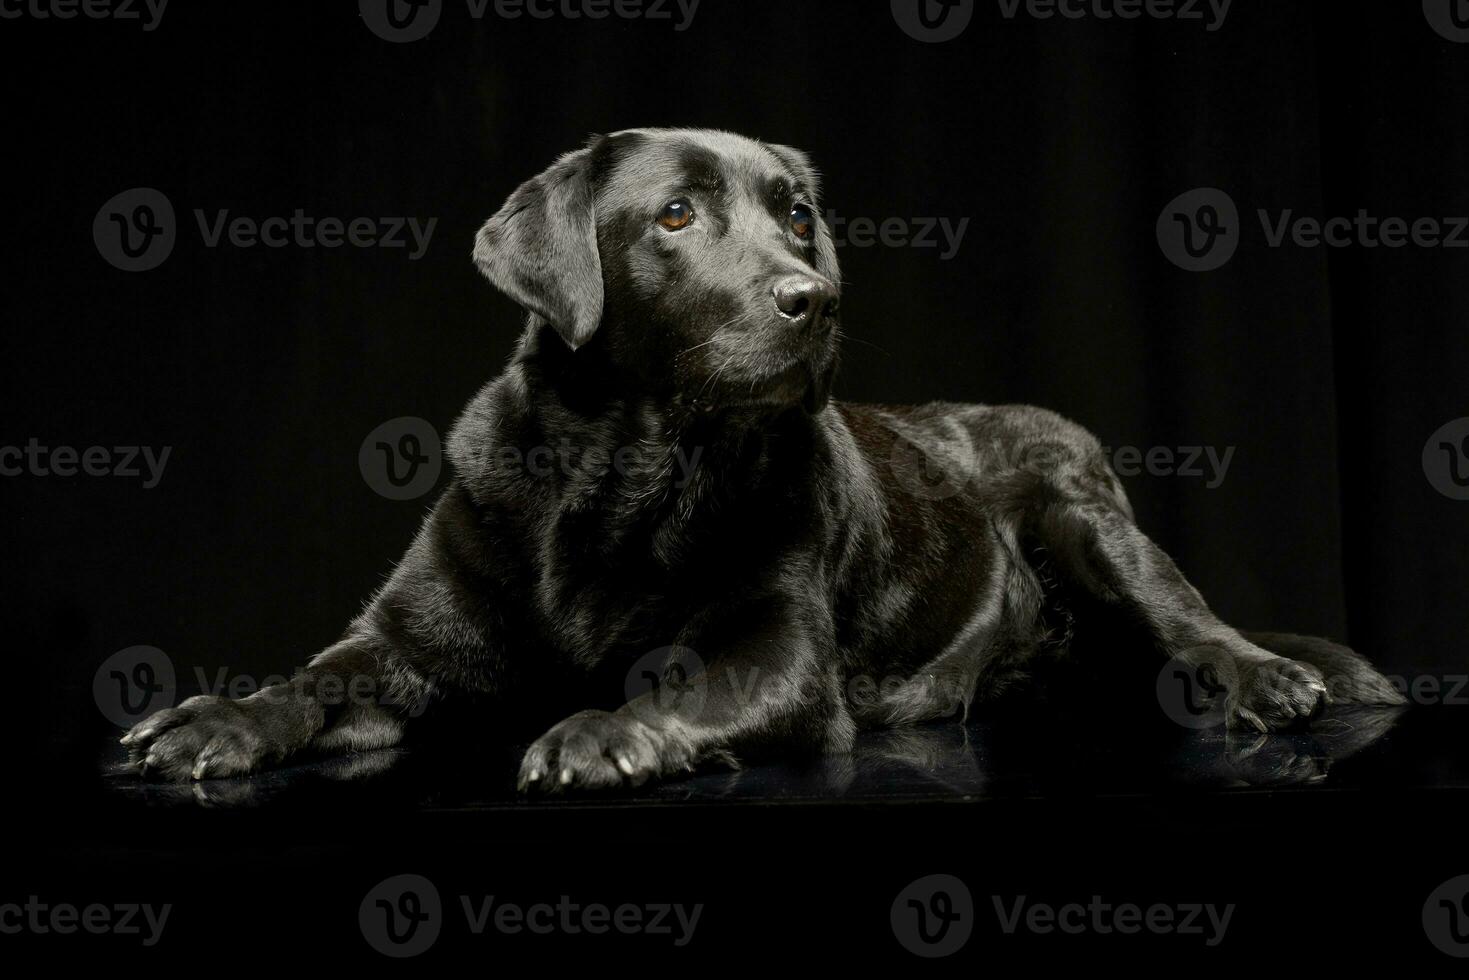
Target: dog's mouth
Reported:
[(785, 383), (763, 368), (779, 382)]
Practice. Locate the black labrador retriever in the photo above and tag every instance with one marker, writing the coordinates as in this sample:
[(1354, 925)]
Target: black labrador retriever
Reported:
[(660, 480)]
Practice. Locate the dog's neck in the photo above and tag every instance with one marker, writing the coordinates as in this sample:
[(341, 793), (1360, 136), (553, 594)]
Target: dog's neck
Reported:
[(594, 390), (646, 467)]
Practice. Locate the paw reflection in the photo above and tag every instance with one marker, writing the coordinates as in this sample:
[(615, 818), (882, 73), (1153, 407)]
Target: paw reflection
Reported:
[(1306, 757)]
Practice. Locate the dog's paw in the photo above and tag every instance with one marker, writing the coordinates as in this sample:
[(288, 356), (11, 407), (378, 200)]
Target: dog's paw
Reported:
[(1275, 694), (597, 750), (206, 737)]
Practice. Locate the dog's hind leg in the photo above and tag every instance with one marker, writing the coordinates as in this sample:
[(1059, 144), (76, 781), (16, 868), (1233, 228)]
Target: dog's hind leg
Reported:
[(1089, 536), (945, 686), (1350, 679)]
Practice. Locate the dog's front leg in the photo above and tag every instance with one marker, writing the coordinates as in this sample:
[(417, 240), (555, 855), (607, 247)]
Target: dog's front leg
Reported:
[(341, 701), (770, 679)]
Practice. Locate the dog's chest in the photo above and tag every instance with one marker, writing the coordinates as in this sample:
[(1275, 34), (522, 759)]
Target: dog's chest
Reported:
[(628, 567)]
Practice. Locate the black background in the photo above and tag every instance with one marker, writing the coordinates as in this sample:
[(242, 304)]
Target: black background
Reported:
[(1059, 141)]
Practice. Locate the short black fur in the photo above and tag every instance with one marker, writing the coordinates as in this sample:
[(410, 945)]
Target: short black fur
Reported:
[(661, 468)]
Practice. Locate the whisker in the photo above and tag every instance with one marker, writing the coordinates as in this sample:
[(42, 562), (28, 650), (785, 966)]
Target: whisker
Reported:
[(845, 337), (728, 323), (697, 346)]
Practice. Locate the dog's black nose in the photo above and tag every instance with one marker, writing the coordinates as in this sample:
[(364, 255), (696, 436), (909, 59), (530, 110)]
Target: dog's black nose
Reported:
[(808, 301)]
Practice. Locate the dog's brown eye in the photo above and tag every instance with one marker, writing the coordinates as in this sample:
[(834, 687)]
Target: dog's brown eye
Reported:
[(801, 221), (676, 214)]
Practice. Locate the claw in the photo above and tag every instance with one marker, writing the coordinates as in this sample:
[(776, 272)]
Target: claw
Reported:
[(1254, 720), (201, 764)]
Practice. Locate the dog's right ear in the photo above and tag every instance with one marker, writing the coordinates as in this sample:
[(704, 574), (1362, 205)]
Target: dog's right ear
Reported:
[(541, 249)]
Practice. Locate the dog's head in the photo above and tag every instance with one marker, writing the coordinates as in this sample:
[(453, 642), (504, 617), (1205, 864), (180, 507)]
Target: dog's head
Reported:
[(692, 263)]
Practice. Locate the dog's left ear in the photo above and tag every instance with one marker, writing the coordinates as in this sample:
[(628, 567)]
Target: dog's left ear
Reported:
[(540, 249)]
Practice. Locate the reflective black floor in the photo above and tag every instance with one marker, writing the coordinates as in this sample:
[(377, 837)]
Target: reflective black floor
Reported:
[(1004, 758), (1327, 842)]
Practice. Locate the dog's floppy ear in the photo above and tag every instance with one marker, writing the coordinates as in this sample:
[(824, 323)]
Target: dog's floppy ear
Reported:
[(540, 249), (801, 166)]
